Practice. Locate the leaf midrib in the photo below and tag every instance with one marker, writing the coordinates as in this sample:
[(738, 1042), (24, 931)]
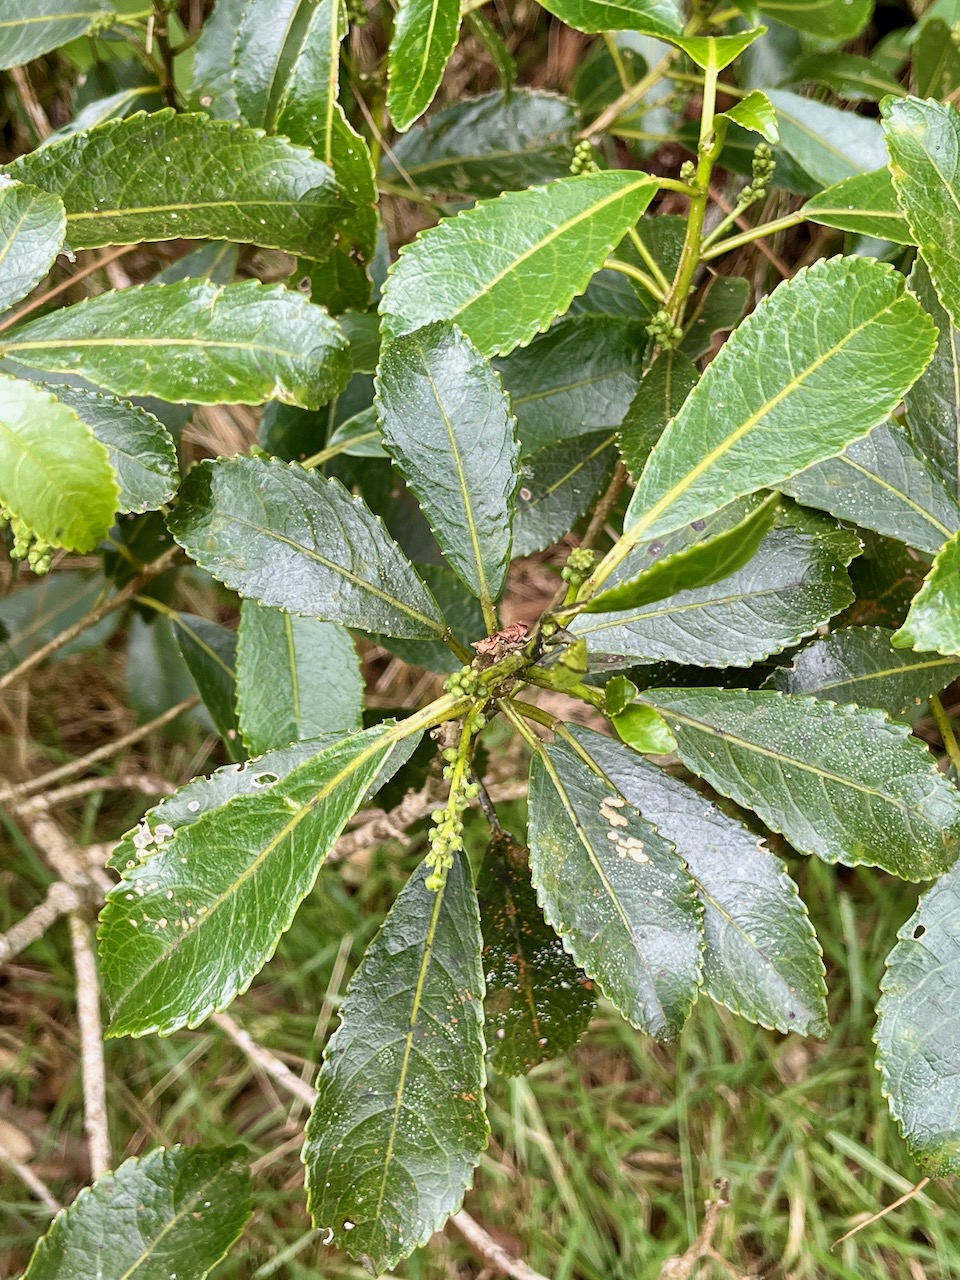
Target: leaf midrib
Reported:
[(174, 1221)]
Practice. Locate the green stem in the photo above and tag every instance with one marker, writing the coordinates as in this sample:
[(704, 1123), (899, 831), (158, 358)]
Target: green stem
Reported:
[(617, 58), (755, 233), (334, 450), (731, 90), (515, 713), (627, 269), (946, 732), (630, 97), (652, 264)]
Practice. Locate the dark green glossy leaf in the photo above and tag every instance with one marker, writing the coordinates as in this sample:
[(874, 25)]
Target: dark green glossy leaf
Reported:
[(32, 228), (861, 665), (578, 377), (880, 483), (848, 75), (866, 203), (538, 1002), (827, 143), (820, 362), (653, 17), (923, 139), (701, 564), (761, 958), (827, 19), (292, 539), (165, 175), (665, 386), (447, 423), (530, 253), (212, 84), (171, 943), (615, 891), (936, 60), (424, 36), (917, 1051), (270, 36), (933, 402), (719, 308), (138, 444), (296, 678), (486, 145), (933, 623), (193, 342), (210, 652), (29, 28), (386, 1165), (463, 614), (54, 474), (558, 485), (839, 781), (794, 584), (172, 1212)]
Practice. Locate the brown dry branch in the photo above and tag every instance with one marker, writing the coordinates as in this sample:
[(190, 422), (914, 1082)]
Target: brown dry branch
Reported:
[(686, 1265)]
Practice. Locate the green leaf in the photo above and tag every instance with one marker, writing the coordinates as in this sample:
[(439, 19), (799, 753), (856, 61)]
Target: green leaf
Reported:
[(193, 342), (139, 446), (821, 361), (270, 36), (936, 60), (847, 74), (754, 112), (828, 144), (644, 729), (558, 485), (210, 652), (447, 423), (700, 564), (652, 17), (827, 19), (880, 483), (923, 139), (933, 623), (424, 36), (530, 253), (35, 613), (32, 228), (166, 175), (865, 204), (486, 145), (615, 890), (172, 946), (933, 402), (717, 52), (664, 387), (794, 584), (30, 28), (172, 1212), (464, 617), (577, 378), (296, 678), (841, 782), (386, 1166), (54, 474), (212, 83), (761, 957), (538, 1002), (861, 665), (719, 308), (917, 1051), (294, 540)]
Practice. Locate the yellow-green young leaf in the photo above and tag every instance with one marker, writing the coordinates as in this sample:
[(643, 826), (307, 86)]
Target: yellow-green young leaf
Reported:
[(615, 890), (841, 782), (933, 623), (881, 483), (860, 664), (761, 956), (296, 678), (193, 342), (836, 20), (188, 929), (652, 17), (295, 540), (174, 1212), (717, 52), (29, 28), (865, 203), (32, 227), (754, 112), (923, 139), (54, 474), (447, 423), (644, 729), (818, 364), (529, 253), (918, 1053), (166, 175), (538, 1003), (424, 36), (400, 1123)]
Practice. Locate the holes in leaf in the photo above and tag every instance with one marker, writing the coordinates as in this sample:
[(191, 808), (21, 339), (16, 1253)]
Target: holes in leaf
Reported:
[(918, 932)]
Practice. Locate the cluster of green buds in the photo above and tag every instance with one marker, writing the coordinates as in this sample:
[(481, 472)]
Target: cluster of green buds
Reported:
[(763, 169), (664, 329), (357, 14), (102, 23), (583, 159), (446, 834), (579, 567), (688, 172), (464, 683), (26, 546)]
